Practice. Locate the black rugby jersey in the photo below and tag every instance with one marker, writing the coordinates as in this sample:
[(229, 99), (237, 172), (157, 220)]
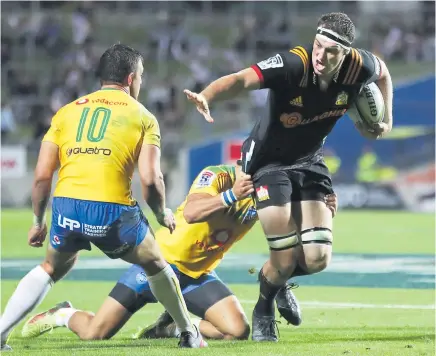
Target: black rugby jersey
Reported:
[(300, 114)]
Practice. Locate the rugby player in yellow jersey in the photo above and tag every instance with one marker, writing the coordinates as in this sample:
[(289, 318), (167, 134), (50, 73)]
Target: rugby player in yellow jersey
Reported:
[(97, 141), (214, 216)]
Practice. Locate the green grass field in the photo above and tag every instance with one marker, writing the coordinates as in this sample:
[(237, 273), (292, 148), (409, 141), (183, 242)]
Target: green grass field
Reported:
[(346, 310)]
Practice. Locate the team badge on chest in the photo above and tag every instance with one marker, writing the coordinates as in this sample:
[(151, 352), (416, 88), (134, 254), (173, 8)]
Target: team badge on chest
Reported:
[(205, 179)]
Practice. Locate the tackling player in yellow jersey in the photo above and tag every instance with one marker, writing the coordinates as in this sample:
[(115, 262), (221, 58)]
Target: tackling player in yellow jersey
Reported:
[(215, 215), (97, 141)]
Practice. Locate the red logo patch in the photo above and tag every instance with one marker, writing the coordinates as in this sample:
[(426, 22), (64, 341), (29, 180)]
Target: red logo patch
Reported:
[(82, 101), (262, 193)]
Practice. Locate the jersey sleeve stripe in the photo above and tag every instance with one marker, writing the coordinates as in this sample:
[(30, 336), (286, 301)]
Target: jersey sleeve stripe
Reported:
[(306, 56), (354, 68), (303, 56), (350, 67), (258, 72), (359, 65), (301, 52)]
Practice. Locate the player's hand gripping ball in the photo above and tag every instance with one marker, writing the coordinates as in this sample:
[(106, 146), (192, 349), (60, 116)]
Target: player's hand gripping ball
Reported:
[(367, 112)]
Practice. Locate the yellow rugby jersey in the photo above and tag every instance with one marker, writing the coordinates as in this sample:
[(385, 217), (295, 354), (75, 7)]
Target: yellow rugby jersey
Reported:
[(100, 137), (198, 248)]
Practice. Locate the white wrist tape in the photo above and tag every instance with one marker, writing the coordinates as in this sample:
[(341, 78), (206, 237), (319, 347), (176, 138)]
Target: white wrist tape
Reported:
[(228, 197), (37, 221)]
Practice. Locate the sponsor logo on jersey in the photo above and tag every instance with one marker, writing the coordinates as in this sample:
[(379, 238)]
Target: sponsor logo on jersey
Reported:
[(290, 120), (272, 62), (262, 193), (141, 278), (298, 101), (68, 223), (217, 241), (108, 102), (221, 237), (205, 179), (88, 151), (250, 215), (342, 99), (56, 240), (82, 101)]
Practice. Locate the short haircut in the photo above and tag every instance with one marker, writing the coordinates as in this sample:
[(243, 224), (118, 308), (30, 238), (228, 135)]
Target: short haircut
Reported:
[(340, 23), (117, 62)]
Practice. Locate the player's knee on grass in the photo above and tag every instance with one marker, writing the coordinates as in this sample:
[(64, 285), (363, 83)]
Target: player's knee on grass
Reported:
[(237, 330), (317, 249), (94, 334)]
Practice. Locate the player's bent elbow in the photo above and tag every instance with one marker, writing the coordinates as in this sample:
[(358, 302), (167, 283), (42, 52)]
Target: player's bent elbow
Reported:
[(190, 216), (150, 177)]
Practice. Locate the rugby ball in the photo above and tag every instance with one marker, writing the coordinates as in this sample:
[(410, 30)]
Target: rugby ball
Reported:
[(369, 105)]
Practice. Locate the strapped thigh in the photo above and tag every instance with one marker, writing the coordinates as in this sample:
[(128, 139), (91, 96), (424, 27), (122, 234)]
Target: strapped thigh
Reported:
[(317, 235), (284, 242)]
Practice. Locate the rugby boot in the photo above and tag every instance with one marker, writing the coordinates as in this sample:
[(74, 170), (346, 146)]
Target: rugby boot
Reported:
[(43, 322), (264, 328), (164, 327), (5, 347), (191, 341), (287, 304), (4, 343)]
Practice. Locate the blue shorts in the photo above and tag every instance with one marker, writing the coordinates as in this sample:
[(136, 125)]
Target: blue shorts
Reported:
[(114, 228), (133, 290)]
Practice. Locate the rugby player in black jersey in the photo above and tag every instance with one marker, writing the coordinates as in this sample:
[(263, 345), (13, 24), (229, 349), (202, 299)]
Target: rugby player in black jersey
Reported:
[(311, 88)]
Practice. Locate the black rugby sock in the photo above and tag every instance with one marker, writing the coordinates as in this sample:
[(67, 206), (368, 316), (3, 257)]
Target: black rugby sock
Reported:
[(268, 291)]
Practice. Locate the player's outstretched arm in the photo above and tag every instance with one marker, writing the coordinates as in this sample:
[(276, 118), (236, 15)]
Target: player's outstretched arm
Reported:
[(153, 186), (201, 206), (47, 164), (224, 88)]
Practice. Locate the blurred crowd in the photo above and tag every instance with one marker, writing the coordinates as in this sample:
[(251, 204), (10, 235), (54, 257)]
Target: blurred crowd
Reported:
[(69, 50)]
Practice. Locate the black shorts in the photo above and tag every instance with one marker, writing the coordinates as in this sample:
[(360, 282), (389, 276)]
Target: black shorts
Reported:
[(133, 290), (277, 185)]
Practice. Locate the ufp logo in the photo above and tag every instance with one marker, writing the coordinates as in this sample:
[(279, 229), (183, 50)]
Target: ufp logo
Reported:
[(65, 222)]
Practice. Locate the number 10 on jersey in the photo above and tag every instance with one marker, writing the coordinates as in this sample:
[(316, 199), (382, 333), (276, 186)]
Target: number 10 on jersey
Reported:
[(91, 135)]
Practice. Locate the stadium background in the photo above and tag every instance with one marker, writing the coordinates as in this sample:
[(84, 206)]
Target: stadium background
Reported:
[(378, 293)]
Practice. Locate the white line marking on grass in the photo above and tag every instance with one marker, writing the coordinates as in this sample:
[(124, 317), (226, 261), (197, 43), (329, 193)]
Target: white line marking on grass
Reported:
[(338, 305)]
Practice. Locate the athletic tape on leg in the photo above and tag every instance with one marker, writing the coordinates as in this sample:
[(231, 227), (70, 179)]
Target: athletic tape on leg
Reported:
[(284, 242), (317, 235)]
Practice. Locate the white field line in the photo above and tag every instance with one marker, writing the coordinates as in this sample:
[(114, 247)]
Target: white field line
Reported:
[(339, 305), (336, 305)]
